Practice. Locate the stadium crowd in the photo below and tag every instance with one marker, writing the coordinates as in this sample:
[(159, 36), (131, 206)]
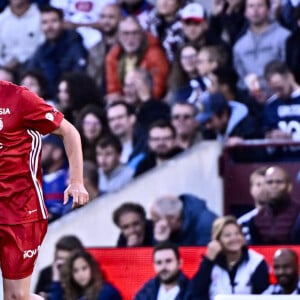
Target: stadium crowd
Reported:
[(142, 82)]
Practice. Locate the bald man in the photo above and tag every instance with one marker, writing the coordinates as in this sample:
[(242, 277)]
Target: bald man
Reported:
[(286, 270), (277, 223)]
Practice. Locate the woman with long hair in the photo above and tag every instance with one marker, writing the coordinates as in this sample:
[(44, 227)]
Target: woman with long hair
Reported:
[(82, 279), (228, 266)]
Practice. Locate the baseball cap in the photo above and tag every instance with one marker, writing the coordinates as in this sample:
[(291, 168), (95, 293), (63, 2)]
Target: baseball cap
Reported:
[(194, 12), (213, 103)]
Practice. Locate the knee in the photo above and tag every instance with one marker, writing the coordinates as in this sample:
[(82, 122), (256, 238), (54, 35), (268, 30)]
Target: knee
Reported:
[(18, 295)]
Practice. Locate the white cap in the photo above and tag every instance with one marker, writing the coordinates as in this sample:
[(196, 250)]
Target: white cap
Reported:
[(193, 11)]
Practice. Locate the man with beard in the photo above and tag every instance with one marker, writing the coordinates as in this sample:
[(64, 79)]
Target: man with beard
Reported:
[(170, 282), (161, 144), (184, 220), (55, 176), (286, 270), (110, 17), (278, 222)]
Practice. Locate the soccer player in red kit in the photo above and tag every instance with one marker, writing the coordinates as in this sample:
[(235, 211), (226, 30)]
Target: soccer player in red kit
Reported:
[(24, 117)]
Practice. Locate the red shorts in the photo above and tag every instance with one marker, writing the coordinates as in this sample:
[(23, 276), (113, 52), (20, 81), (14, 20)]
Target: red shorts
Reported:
[(19, 246)]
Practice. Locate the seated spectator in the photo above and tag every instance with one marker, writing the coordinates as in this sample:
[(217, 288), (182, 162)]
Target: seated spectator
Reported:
[(293, 48), (259, 195), (184, 82), (135, 229), (164, 23), (75, 90), (228, 121), (136, 48), (170, 282), (286, 270), (278, 222), (113, 175), (161, 146), (36, 82), (263, 41), (228, 266), (227, 20), (61, 52), (92, 124), (64, 247), (83, 279), (184, 121), (55, 176), (82, 16), (91, 179), (122, 123), (184, 220), (20, 34), (109, 19), (137, 8), (195, 28)]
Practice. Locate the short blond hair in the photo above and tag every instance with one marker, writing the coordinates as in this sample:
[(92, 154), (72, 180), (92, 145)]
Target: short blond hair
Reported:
[(220, 223)]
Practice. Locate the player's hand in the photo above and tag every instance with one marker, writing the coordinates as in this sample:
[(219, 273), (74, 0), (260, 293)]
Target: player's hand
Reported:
[(213, 249), (79, 194), (162, 230)]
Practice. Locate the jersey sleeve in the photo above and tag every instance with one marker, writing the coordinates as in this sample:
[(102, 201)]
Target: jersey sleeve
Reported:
[(37, 114)]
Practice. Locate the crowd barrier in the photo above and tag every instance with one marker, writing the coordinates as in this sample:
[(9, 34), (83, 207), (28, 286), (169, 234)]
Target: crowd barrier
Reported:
[(235, 174), (129, 268)]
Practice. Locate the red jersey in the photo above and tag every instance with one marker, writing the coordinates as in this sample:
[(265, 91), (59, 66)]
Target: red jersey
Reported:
[(23, 118)]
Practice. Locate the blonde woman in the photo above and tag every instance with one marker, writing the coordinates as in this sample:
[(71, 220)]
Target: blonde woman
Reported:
[(228, 266)]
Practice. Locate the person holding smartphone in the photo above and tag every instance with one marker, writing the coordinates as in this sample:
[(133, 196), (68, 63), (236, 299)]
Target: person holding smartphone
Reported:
[(228, 266)]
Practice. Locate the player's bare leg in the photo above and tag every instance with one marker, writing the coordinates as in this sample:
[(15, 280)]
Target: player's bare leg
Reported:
[(18, 289)]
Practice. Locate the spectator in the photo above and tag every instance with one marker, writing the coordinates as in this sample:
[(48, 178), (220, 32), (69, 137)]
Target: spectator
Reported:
[(286, 270), (195, 28), (113, 175), (135, 49), (82, 15), (36, 82), (137, 8), (92, 124), (161, 144), (83, 279), (228, 266), (109, 19), (135, 229), (262, 42), (170, 282), (185, 124), (281, 116), (277, 223), (229, 121), (20, 33), (91, 179), (122, 120), (64, 246), (227, 19), (62, 50), (164, 23), (184, 220), (75, 91), (184, 82), (293, 48), (259, 195), (55, 176)]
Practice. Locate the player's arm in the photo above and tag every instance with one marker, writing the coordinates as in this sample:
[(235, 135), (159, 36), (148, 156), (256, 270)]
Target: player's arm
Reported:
[(72, 143)]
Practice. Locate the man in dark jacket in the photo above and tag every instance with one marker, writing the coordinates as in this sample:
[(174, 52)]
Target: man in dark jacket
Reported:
[(170, 282), (62, 50), (184, 220)]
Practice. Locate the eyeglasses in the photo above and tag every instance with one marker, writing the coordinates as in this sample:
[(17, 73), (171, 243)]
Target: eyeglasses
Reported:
[(91, 123), (120, 117), (161, 139), (275, 181), (184, 117), (130, 33)]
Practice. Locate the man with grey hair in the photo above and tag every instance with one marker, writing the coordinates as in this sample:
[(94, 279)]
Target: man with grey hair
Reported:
[(184, 220)]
